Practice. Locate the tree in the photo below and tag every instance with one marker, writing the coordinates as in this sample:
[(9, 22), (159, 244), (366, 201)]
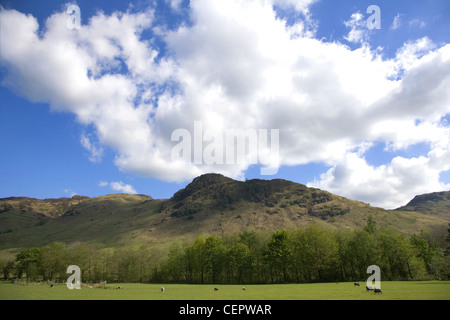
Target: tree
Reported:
[(433, 257), (82, 255), (362, 252), (28, 263), (7, 264), (398, 257), (345, 264), (199, 258), (53, 261), (320, 252), (300, 255), (175, 265), (153, 261), (239, 263), (101, 263), (189, 264), (215, 258), (278, 255), (370, 227), (125, 264), (447, 240), (256, 241)]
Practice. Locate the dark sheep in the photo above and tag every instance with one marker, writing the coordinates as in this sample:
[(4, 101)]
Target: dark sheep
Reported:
[(369, 288), (356, 284), (377, 290), (216, 289)]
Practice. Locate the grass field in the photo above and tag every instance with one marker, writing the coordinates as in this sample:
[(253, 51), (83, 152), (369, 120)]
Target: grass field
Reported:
[(395, 290)]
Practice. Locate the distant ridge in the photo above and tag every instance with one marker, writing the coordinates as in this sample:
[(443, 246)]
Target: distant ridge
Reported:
[(210, 204), (436, 203)]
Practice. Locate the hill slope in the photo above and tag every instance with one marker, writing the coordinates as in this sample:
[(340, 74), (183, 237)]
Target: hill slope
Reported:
[(21, 212), (437, 203), (211, 204)]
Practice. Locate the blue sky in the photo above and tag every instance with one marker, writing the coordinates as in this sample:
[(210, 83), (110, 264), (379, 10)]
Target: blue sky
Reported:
[(361, 113)]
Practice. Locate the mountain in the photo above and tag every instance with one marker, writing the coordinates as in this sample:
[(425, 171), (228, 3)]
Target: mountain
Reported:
[(210, 204), (215, 192), (437, 203), (22, 212)]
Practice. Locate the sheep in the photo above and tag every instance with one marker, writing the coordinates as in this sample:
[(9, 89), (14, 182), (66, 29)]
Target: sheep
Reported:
[(356, 284), (216, 289), (162, 289), (369, 288), (377, 290), (243, 288)]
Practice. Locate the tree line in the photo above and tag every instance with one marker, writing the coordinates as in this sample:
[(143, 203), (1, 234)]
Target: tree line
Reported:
[(311, 254)]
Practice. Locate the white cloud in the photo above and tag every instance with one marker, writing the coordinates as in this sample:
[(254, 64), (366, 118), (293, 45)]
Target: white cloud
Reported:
[(389, 186), (399, 19), (175, 4), (301, 6), (96, 151), (236, 65), (397, 22), (411, 52), (118, 186), (298, 5), (358, 28), (103, 183), (70, 192), (417, 23)]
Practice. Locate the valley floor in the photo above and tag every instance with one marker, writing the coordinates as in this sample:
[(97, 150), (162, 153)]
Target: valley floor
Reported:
[(392, 290)]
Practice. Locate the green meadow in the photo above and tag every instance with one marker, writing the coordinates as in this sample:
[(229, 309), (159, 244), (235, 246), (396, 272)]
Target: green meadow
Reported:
[(392, 290)]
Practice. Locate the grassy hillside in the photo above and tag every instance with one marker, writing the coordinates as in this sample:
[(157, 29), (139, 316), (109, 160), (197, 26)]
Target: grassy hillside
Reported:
[(437, 203), (99, 220), (211, 204), (215, 204), (18, 213)]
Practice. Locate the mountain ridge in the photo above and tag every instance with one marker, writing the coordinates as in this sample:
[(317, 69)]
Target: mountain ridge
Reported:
[(210, 204), (435, 203)]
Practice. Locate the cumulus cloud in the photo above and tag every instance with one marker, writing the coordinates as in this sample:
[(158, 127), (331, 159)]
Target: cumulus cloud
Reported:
[(358, 28), (299, 5), (389, 186), (236, 65), (118, 186)]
